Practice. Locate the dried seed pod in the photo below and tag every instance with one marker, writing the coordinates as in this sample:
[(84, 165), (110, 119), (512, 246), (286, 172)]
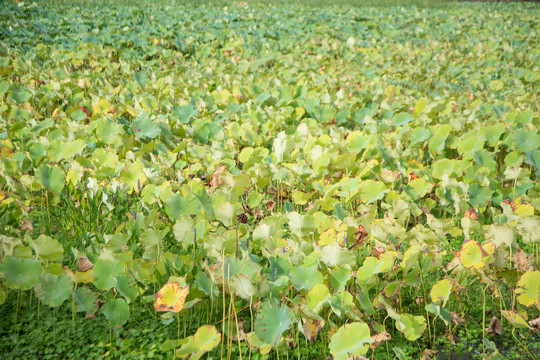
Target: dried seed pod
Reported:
[(84, 264), (27, 225), (242, 218)]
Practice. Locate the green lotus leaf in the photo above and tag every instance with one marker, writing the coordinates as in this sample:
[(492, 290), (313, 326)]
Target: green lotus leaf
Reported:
[(358, 143), (493, 133), (335, 255), (53, 290), (36, 151), (486, 159), (187, 112), (73, 148), (300, 197), (526, 139), (109, 132), (528, 289), (371, 191), (369, 269), (177, 206), (51, 178), (418, 188), (479, 195), (502, 235), (444, 314), (116, 242), (350, 340), (419, 135), (402, 118), (20, 94), (20, 273), (133, 178), (116, 311), (467, 145), (126, 288), (106, 272), (442, 168), (47, 248), (145, 127), (152, 239), (4, 86), (78, 116), (305, 278), (86, 299), (226, 213), (411, 326), (301, 224), (272, 321), (283, 147), (317, 297), (339, 277), (533, 158), (242, 286)]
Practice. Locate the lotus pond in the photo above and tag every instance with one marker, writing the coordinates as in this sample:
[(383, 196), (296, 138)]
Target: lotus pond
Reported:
[(267, 182)]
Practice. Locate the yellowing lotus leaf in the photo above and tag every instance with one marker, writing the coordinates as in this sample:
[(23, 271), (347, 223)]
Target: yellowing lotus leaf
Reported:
[(171, 297), (528, 289), (472, 254), (441, 291)]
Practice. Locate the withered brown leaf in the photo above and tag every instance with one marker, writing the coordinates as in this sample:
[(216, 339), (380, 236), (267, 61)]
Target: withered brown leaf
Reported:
[(456, 320), (495, 326), (522, 262), (379, 338)]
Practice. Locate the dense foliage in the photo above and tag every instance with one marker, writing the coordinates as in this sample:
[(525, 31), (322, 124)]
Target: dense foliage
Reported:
[(361, 181)]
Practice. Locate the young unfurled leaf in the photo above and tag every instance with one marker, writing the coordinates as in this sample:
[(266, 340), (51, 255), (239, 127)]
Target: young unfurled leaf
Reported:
[(171, 297)]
